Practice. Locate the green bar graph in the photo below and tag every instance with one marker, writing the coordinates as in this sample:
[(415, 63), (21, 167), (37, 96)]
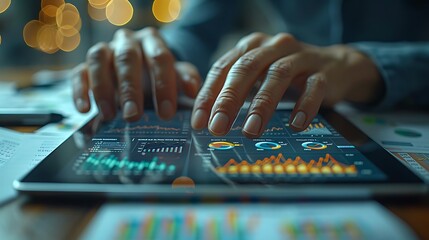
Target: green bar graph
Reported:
[(111, 162)]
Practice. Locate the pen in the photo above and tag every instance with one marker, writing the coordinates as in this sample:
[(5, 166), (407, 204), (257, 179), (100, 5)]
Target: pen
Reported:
[(29, 118)]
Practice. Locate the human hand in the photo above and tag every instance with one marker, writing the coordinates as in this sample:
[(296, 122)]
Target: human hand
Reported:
[(132, 68), (322, 75)]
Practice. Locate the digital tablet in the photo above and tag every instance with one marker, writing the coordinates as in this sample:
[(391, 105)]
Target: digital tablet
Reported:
[(152, 158)]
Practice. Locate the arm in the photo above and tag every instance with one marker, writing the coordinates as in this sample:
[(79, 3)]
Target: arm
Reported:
[(404, 68)]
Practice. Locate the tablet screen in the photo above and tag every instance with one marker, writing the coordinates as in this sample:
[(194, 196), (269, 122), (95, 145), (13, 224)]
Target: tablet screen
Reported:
[(170, 152)]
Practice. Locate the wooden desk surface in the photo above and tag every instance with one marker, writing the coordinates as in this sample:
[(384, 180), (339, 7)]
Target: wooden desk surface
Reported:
[(24, 218)]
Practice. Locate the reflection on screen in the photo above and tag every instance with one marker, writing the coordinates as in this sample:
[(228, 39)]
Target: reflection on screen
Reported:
[(154, 151)]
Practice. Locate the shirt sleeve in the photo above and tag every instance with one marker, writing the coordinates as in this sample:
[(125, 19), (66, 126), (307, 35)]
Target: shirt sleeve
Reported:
[(195, 36), (404, 68)]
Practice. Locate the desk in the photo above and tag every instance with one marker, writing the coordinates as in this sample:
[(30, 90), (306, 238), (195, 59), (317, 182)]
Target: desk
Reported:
[(24, 218)]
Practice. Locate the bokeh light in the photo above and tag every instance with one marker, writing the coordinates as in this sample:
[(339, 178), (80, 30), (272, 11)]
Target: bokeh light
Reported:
[(4, 5), (46, 39), (119, 12), (30, 33), (98, 4), (57, 28), (97, 14), (166, 10)]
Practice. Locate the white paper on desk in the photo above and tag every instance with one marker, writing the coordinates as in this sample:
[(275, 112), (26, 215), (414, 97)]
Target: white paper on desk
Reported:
[(24, 151), (57, 99), (405, 134), (364, 220)]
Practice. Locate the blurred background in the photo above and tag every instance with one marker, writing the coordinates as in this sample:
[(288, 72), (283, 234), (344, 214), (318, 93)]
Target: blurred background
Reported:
[(56, 34), (44, 33)]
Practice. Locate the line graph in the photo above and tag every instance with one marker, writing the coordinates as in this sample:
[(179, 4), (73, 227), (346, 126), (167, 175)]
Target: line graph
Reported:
[(316, 129), (94, 163), (279, 165)]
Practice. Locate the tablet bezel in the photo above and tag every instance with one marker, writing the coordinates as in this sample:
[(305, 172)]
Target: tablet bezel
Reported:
[(404, 183)]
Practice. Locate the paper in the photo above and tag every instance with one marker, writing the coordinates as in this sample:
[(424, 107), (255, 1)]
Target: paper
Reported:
[(56, 99), (404, 134), (365, 220), (20, 153)]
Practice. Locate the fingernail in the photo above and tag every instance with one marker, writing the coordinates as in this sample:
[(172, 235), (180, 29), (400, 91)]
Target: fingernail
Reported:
[(165, 109), (199, 119), (130, 109), (81, 104), (219, 123), (106, 110), (253, 125), (299, 120)]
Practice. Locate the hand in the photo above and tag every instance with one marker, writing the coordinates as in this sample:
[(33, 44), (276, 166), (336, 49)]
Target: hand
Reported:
[(321, 75), (134, 66)]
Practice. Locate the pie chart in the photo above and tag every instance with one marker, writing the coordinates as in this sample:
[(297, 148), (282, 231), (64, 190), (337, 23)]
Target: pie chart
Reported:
[(314, 145), (221, 145), (268, 145)]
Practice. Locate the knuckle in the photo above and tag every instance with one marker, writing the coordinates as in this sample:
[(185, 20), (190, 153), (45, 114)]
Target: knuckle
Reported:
[(163, 56), (205, 98), (281, 70), (317, 82), (229, 97), (127, 90), (263, 100), (247, 63), (219, 67), (150, 31), (122, 32), (245, 42), (126, 56), (284, 39), (97, 53)]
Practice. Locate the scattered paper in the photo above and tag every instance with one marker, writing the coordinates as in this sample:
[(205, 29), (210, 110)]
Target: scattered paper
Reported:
[(404, 134), (364, 220)]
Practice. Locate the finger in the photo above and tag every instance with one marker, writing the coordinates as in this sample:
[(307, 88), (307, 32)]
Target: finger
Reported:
[(80, 83), (279, 77), (242, 77), (101, 79), (160, 61), (216, 78), (309, 103), (128, 67), (189, 79)]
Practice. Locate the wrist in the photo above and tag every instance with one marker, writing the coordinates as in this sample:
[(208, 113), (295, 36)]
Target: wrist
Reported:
[(367, 86)]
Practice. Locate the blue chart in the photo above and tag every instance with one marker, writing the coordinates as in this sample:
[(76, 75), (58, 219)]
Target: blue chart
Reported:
[(150, 125), (316, 129), (314, 145), (268, 145), (97, 163)]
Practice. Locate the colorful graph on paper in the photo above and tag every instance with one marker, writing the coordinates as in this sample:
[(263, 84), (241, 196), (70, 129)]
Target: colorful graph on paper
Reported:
[(246, 222)]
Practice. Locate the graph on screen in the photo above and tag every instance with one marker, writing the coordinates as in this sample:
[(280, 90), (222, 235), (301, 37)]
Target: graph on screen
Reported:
[(279, 165), (316, 129), (111, 163), (161, 147), (150, 124)]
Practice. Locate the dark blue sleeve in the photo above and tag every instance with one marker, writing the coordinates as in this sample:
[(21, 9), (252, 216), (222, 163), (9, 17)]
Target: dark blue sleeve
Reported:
[(404, 68), (195, 36)]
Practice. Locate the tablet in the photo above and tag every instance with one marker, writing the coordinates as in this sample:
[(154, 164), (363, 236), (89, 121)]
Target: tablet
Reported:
[(167, 159)]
